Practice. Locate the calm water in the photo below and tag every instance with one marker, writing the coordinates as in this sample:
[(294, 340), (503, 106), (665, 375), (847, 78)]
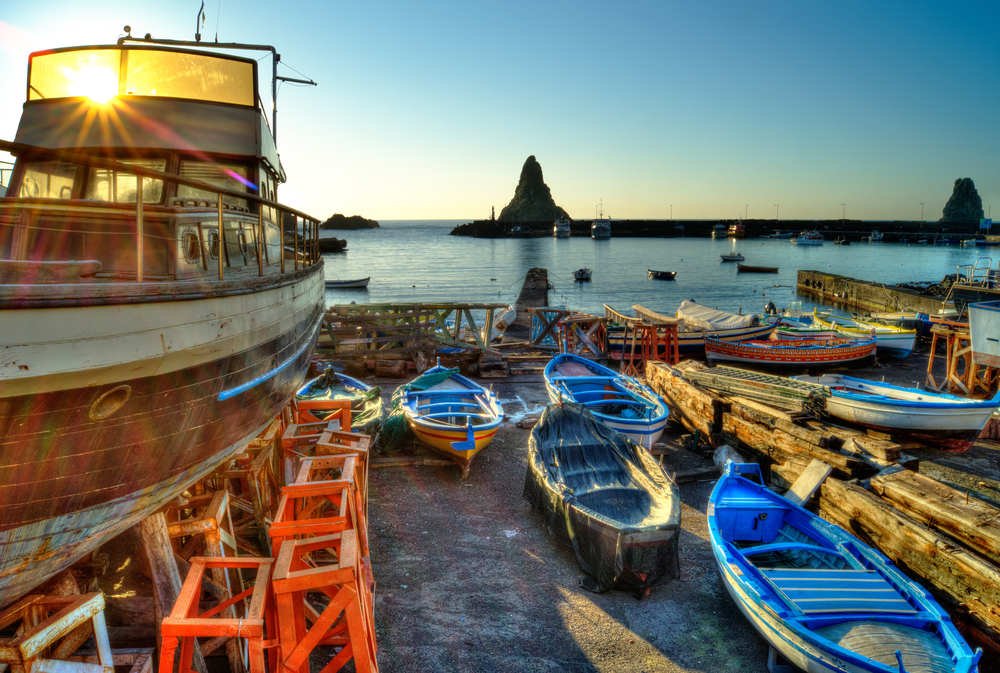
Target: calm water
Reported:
[(416, 261)]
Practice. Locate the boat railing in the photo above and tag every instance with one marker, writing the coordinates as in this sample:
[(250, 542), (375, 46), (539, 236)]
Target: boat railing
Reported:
[(978, 274), (305, 251)]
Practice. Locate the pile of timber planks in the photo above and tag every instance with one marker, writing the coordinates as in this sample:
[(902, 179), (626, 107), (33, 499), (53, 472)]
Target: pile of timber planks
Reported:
[(935, 533), (786, 438), (777, 391)]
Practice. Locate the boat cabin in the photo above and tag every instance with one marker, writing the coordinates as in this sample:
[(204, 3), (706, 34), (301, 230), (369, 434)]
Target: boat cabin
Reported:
[(112, 112)]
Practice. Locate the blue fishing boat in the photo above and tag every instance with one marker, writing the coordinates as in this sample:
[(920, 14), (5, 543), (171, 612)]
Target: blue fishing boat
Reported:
[(821, 598), (620, 402)]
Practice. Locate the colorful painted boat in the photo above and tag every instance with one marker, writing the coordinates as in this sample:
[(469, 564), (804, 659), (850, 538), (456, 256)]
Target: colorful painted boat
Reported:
[(893, 342), (820, 597), (620, 402), (347, 284), (605, 496), (135, 372), (793, 330), (453, 415), (367, 410), (781, 354), (698, 321), (946, 421)]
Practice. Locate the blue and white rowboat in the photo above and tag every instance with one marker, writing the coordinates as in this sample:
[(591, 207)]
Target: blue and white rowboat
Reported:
[(620, 402), (819, 596)]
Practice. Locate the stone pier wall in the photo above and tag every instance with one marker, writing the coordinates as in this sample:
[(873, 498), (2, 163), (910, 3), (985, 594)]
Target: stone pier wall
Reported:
[(862, 295)]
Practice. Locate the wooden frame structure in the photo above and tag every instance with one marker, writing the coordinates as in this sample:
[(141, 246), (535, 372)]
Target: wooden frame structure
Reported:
[(962, 374), (52, 629), (646, 335), (369, 330)]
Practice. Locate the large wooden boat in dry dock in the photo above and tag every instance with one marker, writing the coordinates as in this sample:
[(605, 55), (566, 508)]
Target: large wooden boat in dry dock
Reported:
[(146, 333)]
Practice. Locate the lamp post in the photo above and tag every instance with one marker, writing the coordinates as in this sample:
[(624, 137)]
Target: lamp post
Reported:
[(671, 212), (745, 212), (843, 216), (921, 217), (776, 213)]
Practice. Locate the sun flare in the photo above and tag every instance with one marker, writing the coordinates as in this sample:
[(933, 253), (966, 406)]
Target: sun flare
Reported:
[(95, 82)]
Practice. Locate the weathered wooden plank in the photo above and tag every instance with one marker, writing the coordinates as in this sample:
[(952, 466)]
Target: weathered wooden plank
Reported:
[(807, 483), (971, 521), (965, 578)]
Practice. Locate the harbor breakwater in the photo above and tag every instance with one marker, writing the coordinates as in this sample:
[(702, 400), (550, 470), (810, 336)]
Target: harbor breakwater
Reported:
[(851, 230), (854, 294)]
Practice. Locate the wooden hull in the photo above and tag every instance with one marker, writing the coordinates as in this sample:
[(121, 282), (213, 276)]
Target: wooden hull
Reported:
[(949, 422), (644, 429), (793, 354), (812, 584), (120, 407), (457, 418), (692, 343)]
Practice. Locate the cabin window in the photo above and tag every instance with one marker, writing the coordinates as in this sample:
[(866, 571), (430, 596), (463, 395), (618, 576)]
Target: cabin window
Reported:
[(191, 246), (48, 180), (227, 176), (213, 244), (120, 187)]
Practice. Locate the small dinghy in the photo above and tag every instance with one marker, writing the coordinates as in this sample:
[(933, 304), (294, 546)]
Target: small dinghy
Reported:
[(367, 412), (451, 414), (819, 596), (606, 497), (620, 402), (661, 275), (583, 274), (949, 422)]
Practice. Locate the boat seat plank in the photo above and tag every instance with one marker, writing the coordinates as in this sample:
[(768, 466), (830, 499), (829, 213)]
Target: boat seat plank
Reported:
[(787, 546), (748, 500), (446, 414), (457, 403), (848, 590)]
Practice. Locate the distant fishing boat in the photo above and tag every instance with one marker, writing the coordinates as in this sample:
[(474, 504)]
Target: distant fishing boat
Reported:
[(950, 422), (820, 597), (600, 228), (736, 230), (841, 241), (346, 284), (719, 231), (747, 268), (582, 274), (661, 275), (808, 238), (731, 257), (560, 229), (620, 402)]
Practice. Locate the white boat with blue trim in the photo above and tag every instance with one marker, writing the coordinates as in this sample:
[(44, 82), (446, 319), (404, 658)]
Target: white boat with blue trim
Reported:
[(620, 402), (893, 342), (952, 423), (820, 597)]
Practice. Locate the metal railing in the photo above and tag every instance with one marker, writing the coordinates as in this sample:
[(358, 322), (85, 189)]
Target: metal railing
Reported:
[(310, 241)]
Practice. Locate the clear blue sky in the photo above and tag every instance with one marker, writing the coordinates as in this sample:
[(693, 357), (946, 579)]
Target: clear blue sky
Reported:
[(427, 110)]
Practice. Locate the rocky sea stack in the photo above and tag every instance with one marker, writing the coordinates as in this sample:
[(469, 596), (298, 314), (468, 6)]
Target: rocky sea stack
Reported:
[(965, 205), (532, 200), (338, 221)]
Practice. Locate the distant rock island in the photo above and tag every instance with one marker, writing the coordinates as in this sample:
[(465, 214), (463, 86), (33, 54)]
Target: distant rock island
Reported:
[(338, 221), (530, 213), (532, 200), (965, 204)]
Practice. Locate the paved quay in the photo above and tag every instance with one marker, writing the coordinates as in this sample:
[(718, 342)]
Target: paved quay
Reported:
[(469, 579)]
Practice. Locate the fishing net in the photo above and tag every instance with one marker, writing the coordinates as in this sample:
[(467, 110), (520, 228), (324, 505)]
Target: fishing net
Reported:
[(367, 412), (395, 428)]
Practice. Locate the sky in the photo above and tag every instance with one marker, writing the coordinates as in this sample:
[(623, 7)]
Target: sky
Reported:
[(659, 109)]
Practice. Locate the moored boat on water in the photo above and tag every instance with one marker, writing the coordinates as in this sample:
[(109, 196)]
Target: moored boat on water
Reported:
[(619, 401), (600, 228), (747, 268), (561, 229), (451, 414), (583, 274), (347, 284), (819, 596), (606, 497), (736, 230), (661, 275), (949, 422), (154, 321), (808, 238), (812, 354), (731, 257)]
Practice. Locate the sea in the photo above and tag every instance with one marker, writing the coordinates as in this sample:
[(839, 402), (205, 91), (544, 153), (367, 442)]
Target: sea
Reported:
[(416, 261)]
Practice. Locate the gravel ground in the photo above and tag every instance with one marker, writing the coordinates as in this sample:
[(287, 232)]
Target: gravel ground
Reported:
[(469, 579)]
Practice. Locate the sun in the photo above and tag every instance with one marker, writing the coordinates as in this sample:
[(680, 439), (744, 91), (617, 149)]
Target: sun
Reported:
[(97, 83)]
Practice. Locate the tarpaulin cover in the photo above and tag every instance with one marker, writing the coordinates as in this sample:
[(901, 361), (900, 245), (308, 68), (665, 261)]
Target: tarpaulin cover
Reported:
[(696, 315), (606, 497), (395, 426), (367, 412)]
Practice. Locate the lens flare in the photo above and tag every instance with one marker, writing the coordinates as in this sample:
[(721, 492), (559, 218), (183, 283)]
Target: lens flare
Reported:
[(96, 83)]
